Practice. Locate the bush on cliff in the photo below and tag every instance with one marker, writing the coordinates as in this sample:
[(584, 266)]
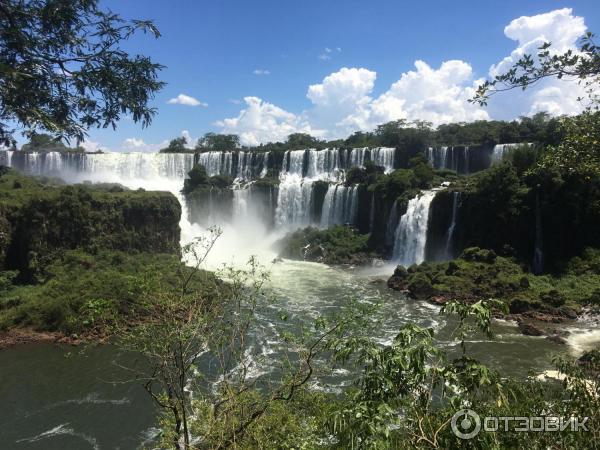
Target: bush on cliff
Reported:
[(336, 245), (481, 274), (84, 291), (40, 219)]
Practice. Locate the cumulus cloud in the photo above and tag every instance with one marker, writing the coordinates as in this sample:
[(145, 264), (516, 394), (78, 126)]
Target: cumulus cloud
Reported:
[(343, 101), (562, 29), (187, 100), (138, 145), (261, 72), (134, 144), (91, 146), (260, 121)]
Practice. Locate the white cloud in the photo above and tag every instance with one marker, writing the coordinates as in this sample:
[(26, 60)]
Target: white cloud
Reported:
[(260, 121), (183, 99), (235, 101), (347, 86), (562, 29), (343, 102), (138, 145), (261, 72), (134, 144), (91, 146)]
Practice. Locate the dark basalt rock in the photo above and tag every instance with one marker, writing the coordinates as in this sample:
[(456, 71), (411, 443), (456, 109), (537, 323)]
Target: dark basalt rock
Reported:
[(529, 329), (519, 306)]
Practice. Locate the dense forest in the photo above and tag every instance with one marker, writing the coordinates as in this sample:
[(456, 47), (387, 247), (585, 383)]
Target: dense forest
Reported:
[(230, 358)]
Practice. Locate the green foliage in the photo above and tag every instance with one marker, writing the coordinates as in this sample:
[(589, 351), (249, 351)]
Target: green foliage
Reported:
[(64, 68), (579, 149), (336, 245), (198, 179), (43, 143), (480, 274), (84, 292), (301, 140), (177, 145), (218, 142), (40, 218)]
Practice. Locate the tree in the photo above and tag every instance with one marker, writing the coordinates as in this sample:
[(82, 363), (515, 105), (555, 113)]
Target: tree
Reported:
[(43, 143), (582, 65), (218, 142), (177, 145), (63, 70), (196, 177), (301, 140), (194, 339)]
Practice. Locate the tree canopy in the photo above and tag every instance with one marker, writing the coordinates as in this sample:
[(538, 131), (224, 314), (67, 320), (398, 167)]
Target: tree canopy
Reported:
[(63, 70), (219, 142)]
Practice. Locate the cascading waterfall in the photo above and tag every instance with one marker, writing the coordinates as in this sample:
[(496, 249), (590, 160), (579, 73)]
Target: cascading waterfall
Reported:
[(384, 156), (6, 158), (265, 164), (437, 157), (340, 206), (324, 165), (452, 227), (294, 200), (216, 163), (501, 151), (411, 234)]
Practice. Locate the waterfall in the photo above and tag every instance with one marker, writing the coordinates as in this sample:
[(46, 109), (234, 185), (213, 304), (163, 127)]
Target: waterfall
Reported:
[(384, 156), (357, 157), (437, 158), (430, 153), (295, 192), (6, 158), (452, 227), (538, 254), (217, 163), (411, 234), (265, 164), (501, 151), (392, 223), (294, 201), (340, 206)]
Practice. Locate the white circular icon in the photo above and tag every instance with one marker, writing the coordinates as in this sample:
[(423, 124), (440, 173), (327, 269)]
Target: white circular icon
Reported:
[(466, 424)]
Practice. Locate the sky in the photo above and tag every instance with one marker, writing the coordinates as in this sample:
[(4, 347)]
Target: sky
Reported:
[(264, 69)]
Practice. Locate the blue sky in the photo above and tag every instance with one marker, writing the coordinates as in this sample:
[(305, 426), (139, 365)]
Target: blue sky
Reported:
[(220, 52)]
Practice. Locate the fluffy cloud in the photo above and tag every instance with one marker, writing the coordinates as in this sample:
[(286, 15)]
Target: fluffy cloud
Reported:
[(183, 99), (91, 146), (261, 72), (343, 102), (139, 145), (562, 29), (261, 121)]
